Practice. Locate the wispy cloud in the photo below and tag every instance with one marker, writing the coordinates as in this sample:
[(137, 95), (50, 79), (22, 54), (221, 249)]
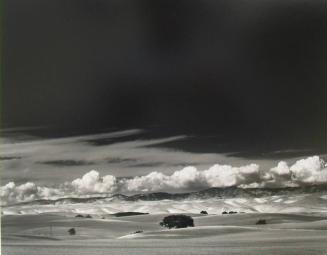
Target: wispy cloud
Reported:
[(53, 160), (65, 163)]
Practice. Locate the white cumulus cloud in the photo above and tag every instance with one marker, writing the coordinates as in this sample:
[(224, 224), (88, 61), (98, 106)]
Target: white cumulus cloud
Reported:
[(91, 182), (309, 171)]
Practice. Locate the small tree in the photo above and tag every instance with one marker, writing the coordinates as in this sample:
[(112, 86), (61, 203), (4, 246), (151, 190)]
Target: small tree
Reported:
[(72, 231), (177, 221), (204, 212)]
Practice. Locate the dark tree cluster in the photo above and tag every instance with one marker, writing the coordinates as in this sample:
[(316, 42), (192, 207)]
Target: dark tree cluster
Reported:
[(177, 221), (123, 214), (261, 222), (230, 212), (82, 216)]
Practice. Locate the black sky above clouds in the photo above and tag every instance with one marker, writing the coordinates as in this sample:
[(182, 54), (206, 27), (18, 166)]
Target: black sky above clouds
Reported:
[(251, 71)]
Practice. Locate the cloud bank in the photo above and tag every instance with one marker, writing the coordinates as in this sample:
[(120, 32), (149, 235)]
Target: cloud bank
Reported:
[(12, 193), (309, 171)]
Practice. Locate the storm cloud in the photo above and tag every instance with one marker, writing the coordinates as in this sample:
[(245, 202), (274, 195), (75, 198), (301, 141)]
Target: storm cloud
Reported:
[(253, 71)]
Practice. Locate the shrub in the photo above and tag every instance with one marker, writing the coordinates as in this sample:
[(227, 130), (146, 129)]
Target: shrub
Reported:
[(204, 212), (72, 231), (261, 222), (138, 231), (88, 216), (224, 212), (177, 221), (79, 216)]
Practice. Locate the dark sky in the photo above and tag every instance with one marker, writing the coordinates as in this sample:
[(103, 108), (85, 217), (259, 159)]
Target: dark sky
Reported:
[(251, 71)]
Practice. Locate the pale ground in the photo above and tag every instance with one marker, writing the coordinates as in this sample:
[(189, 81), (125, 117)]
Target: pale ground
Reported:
[(214, 234)]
